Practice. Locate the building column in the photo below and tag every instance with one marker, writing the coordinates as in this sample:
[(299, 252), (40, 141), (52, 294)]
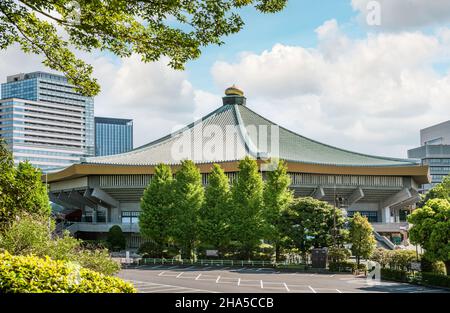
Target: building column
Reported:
[(386, 215)]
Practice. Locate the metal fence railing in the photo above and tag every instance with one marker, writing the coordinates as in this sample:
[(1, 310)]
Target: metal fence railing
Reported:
[(208, 262)]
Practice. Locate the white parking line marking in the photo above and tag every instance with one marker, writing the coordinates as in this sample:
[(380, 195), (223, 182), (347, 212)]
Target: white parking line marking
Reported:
[(239, 282), (312, 289), (286, 286), (161, 274), (178, 276), (217, 280), (163, 289), (338, 291), (333, 275), (198, 276), (262, 285)]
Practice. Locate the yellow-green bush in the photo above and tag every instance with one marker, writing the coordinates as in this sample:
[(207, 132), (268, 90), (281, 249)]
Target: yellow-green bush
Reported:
[(32, 274)]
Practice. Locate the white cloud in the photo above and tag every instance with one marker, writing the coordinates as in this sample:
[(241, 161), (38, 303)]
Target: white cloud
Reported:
[(406, 14), (157, 97), (370, 95)]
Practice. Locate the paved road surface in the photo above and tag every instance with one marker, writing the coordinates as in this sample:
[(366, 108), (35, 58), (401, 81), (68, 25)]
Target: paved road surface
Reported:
[(196, 279)]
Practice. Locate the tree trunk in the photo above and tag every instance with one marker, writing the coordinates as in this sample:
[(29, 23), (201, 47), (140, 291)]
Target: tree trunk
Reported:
[(358, 260), (447, 267), (277, 252)]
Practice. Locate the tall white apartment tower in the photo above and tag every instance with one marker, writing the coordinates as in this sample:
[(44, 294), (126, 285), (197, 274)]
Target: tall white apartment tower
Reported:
[(43, 120)]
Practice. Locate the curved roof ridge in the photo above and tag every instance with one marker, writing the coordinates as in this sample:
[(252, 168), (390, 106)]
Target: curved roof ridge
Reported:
[(161, 140), (333, 147)]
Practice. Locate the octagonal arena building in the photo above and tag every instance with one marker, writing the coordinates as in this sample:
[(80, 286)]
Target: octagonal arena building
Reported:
[(104, 191)]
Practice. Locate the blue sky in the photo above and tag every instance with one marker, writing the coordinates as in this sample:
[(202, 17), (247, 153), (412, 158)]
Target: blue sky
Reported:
[(316, 68), (293, 26)]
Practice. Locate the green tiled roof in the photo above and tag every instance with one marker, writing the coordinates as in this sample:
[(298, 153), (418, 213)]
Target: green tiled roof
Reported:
[(249, 128)]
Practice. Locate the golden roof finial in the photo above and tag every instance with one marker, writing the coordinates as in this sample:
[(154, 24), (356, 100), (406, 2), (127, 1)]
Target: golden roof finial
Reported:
[(234, 91)]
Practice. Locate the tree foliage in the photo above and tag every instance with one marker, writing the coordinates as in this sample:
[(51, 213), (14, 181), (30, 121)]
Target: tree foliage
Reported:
[(440, 191), (116, 239), (431, 230), (152, 29), (277, 197), (32, 234), (247, 199), (361, 237), (156, 219), (21, 189), (310, 223), (215, 214), (32, 274), (189, 197)]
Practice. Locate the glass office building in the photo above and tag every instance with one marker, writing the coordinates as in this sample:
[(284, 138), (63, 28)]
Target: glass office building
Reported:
[(113, 135), (434, 152), (46, 122)]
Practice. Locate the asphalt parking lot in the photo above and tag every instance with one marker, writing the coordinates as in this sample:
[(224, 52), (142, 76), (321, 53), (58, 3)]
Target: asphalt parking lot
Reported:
[(196, 279)]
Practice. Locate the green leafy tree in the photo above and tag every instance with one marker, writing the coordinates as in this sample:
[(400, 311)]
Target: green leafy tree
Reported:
[(247, 199), (431, 230), (26, 235), (157, 205), (361, 237), (310, 224), (151, 29), (32, 234), (189, 198), (116, 238), (21, 189), (215, 212), (277, 197), (440, 191)]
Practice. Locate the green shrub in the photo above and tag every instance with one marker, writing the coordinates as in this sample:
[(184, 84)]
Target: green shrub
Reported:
[(32, 274), (434, 279), (338, 255), (149, 249), (342, 266), (30, 234), (381, 256), (395, 275), (432, 267), (401, 259), (116, 238)]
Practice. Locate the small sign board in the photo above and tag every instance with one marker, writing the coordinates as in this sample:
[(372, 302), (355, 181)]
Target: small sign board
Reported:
[(415, 266), (212, 252)]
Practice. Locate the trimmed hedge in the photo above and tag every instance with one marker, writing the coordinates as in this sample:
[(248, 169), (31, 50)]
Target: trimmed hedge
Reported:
[(434, 279), (31, 274), (395, 275), (346, 267)]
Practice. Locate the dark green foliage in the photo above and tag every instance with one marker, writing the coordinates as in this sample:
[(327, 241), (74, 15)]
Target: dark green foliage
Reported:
[(156, 220), (431, 230), (116, 238), (395, 275), (277, 197), (189, 197), (437, 280), (150, 29), (21, 189), (346, 266), (310, 223), (215, 214), (247, 197)]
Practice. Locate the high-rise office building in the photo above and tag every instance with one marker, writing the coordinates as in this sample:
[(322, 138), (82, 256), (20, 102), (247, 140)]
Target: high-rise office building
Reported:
[(434, 151), (113, 135), (46, 122)]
